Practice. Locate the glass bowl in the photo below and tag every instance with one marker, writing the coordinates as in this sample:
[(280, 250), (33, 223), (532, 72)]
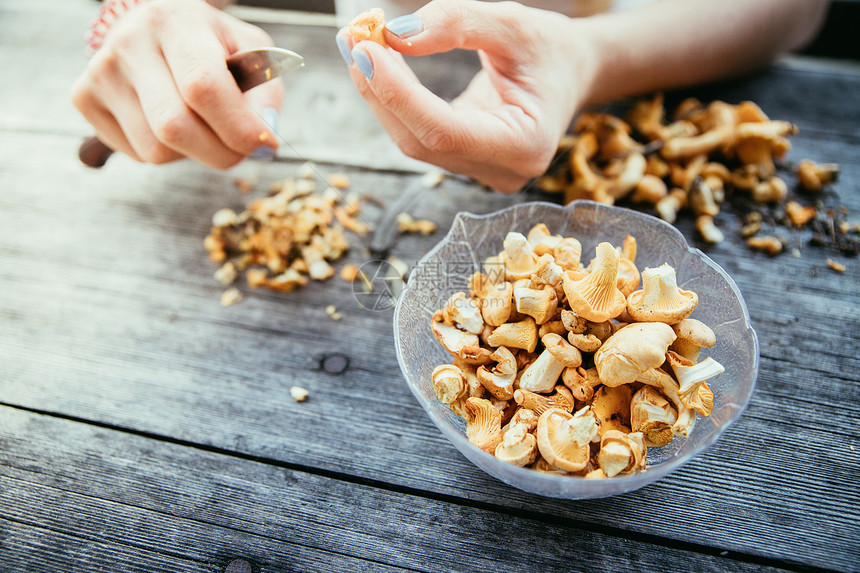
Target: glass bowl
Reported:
[(472, 238)]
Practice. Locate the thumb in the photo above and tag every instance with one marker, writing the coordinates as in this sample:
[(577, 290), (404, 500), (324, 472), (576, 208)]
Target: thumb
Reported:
[(265, 99), (444, 25)]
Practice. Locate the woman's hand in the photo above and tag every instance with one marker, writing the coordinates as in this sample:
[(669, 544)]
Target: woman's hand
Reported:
[(159, 89), (503, 130)]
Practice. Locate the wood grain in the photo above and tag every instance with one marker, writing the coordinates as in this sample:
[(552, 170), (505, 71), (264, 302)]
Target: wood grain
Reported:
[(174, 508), (109, 315)]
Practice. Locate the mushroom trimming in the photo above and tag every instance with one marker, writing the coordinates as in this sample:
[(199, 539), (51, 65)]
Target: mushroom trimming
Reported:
[(627, 365)]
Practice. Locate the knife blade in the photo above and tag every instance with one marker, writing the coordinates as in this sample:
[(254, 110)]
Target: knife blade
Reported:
[(249, 68)]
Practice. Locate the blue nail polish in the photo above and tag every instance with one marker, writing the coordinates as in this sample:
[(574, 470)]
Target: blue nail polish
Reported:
[(270, 116), (405, 26), (363, 62), (343, 46), (264, 152)]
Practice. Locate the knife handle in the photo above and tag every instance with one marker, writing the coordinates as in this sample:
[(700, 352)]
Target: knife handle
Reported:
[(93, 153)]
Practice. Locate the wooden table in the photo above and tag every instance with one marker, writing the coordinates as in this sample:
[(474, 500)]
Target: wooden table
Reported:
[(143, 427)]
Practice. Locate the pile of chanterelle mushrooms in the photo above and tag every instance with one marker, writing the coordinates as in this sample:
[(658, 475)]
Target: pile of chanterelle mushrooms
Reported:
[(689, 161), (573, 368)]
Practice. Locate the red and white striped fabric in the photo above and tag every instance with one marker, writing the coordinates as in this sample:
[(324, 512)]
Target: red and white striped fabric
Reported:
[(109, 12)]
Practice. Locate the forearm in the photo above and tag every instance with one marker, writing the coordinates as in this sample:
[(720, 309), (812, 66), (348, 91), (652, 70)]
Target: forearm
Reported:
[(673, 43)]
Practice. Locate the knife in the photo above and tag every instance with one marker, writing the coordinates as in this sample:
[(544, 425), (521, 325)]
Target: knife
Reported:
[(249, 68)]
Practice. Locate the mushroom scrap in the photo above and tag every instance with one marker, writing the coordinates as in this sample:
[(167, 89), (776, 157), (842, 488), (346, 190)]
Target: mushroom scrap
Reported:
[(575, 369), (694, 161)]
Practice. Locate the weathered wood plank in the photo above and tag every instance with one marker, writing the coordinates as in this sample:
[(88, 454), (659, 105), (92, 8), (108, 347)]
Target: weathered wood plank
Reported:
[(78, 498), (109, 313)]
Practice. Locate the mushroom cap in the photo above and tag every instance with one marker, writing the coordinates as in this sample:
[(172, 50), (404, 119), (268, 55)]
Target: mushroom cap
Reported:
[(611, 406), (539, 304), (695, 332), (522, 334), (628, 276), (581, 382), (518, 447), (669, 388), (660, 299), (617, 454), (518, 257), (497, 303), (596, 297), (465, 311), (653, 415), (584, 342), (567, 253), (499, 380), (554, 439), (449, 384), (541, 240), (483, 424), (463, 345), (547, 272), (566, 353), (631, 351)]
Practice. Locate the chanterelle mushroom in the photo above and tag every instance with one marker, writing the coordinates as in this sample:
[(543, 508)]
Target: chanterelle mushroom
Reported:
[(620, 452), (499, 380), (518, 446), (563, 439), (449, 384), (465, 311), (653, 415), (522, 334), (569, 355), (660, 299), (581, 382), (691, 377), (692, 336), (539, 304), (631, 351), (611, 406), (541, 240), (542, 374), (463, 345), (518, 257), (669, 388), (497, 303), (483, 424), (596, 297)]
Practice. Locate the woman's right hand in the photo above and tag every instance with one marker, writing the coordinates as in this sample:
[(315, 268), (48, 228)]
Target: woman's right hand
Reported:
[(159, 88)]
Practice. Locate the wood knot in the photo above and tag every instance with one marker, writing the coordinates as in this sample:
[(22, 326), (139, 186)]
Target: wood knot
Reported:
[(239, 566), (334, 363)]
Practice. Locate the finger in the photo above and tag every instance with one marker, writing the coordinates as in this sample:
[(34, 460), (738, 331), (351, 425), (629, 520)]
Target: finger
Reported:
[(197, 65), (106, 127), (440, 127), (399, 133), (444, 25), (171, 121), (497, 177), (125, 106)]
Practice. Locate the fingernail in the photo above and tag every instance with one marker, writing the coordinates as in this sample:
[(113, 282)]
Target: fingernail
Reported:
[(343, 46), (405, 26), (362, 61), (270, 116)]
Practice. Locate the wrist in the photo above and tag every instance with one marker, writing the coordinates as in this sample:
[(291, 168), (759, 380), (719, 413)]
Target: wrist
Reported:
[(583, 62)]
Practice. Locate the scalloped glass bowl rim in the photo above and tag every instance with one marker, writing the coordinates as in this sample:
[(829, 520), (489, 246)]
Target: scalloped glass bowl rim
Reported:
[(562, 486)]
